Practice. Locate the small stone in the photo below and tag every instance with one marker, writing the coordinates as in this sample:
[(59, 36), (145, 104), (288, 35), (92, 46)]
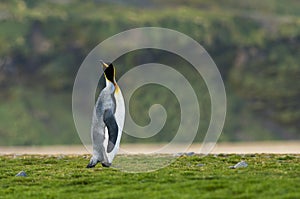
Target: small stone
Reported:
[(241, 164), (22, 174), (200, 165), (60, 157), (16, 156), (190, 153), (179, 154)]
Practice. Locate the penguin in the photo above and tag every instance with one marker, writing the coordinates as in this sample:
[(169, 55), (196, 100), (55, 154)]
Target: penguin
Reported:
[(108, 120)]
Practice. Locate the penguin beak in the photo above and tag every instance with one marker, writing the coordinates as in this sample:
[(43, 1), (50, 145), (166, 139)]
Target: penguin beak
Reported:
[(104, 65)]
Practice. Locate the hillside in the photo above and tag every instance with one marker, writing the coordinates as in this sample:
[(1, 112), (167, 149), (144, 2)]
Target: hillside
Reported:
[(256, 46)]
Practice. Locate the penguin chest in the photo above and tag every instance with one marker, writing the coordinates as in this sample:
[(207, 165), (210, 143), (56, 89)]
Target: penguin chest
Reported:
[(119, 109)]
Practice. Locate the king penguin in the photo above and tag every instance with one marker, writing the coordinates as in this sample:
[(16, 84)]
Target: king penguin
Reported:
[(108, 120)]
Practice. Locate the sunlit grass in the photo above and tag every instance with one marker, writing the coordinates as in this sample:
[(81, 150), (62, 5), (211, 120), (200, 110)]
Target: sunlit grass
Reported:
[(267, 176)]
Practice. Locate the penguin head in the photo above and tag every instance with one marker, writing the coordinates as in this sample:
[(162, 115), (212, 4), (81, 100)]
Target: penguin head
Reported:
[(109, 71)]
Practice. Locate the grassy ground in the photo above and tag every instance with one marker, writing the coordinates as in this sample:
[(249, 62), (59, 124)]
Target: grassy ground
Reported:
[(267, 176)]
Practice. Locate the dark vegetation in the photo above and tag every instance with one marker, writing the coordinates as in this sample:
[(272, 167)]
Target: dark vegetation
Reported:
[(255, 44)]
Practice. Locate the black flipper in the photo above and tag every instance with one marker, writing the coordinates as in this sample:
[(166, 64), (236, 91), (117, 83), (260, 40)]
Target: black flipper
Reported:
[(112, 127)]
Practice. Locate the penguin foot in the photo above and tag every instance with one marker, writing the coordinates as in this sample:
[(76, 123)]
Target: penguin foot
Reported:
[(90, 165), (105, 164)]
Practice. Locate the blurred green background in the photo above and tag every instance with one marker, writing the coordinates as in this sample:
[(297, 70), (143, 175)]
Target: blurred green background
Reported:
[(255, 44)]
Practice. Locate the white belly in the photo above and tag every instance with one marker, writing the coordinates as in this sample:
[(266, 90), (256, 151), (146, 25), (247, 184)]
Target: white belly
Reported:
[(120, 117)]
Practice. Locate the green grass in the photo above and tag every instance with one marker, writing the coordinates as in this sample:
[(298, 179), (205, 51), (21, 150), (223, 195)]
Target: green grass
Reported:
[(267, 176)]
